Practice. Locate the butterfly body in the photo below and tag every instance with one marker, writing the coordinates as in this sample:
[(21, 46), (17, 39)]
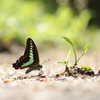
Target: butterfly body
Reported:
[(30, 59)]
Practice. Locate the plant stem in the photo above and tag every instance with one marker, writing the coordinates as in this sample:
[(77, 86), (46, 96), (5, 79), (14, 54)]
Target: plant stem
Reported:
[(74, 65), (75, 56)]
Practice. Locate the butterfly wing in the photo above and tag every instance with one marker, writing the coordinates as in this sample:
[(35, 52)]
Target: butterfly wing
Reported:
[(30, 57)]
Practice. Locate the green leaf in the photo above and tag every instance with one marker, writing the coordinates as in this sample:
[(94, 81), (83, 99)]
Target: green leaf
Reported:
[(69, 41), (64, 63), (68, 56), (85, 48), (84, 51), (86, 67)]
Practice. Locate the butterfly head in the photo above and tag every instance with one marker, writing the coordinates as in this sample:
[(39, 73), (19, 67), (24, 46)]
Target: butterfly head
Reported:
[(39, 67)]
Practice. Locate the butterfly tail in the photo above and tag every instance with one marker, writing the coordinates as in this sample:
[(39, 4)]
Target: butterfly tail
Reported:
[(32, 68), (29, 70)]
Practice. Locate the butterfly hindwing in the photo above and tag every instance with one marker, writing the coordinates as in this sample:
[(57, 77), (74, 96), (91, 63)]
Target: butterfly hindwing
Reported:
[(30, 57)]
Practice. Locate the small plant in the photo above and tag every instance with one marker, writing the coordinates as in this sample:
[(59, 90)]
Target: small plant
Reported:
[(66, 62)]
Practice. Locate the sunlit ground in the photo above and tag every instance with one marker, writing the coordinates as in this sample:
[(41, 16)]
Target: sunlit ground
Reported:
[(59, 89)]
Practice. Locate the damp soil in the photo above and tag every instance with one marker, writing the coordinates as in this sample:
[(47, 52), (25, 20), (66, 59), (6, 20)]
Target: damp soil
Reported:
[(53, 84)]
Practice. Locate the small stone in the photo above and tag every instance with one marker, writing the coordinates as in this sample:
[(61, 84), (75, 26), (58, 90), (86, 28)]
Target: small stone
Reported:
[(1, 71), (11, 73)]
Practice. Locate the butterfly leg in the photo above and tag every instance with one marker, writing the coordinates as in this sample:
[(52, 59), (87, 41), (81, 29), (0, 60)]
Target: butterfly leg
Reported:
[(40, 72)]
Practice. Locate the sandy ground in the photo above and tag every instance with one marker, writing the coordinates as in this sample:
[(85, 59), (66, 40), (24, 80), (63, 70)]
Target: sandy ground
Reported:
[(33, 88)]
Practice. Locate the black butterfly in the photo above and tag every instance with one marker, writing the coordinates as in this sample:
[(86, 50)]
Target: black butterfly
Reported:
[(30, 59)]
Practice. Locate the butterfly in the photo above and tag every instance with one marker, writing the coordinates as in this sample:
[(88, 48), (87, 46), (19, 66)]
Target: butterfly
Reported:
[(30, 59)]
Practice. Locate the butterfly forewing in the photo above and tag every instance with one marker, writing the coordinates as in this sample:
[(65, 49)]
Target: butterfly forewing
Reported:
[(30, 57)]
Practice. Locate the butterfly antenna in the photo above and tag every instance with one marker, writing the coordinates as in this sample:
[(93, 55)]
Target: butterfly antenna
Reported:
[(45, 61)]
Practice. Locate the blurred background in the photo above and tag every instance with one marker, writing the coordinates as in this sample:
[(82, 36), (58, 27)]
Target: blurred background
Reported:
[(45, 21)]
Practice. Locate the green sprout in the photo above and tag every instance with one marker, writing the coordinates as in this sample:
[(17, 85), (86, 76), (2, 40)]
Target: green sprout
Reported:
[(75, 56), (74, 51)]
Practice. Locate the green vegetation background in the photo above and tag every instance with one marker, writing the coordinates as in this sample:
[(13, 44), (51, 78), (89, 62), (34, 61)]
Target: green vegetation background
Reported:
[(45, 21)]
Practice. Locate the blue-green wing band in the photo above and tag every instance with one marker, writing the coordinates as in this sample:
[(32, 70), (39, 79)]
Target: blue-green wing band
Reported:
[(28, 63)]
